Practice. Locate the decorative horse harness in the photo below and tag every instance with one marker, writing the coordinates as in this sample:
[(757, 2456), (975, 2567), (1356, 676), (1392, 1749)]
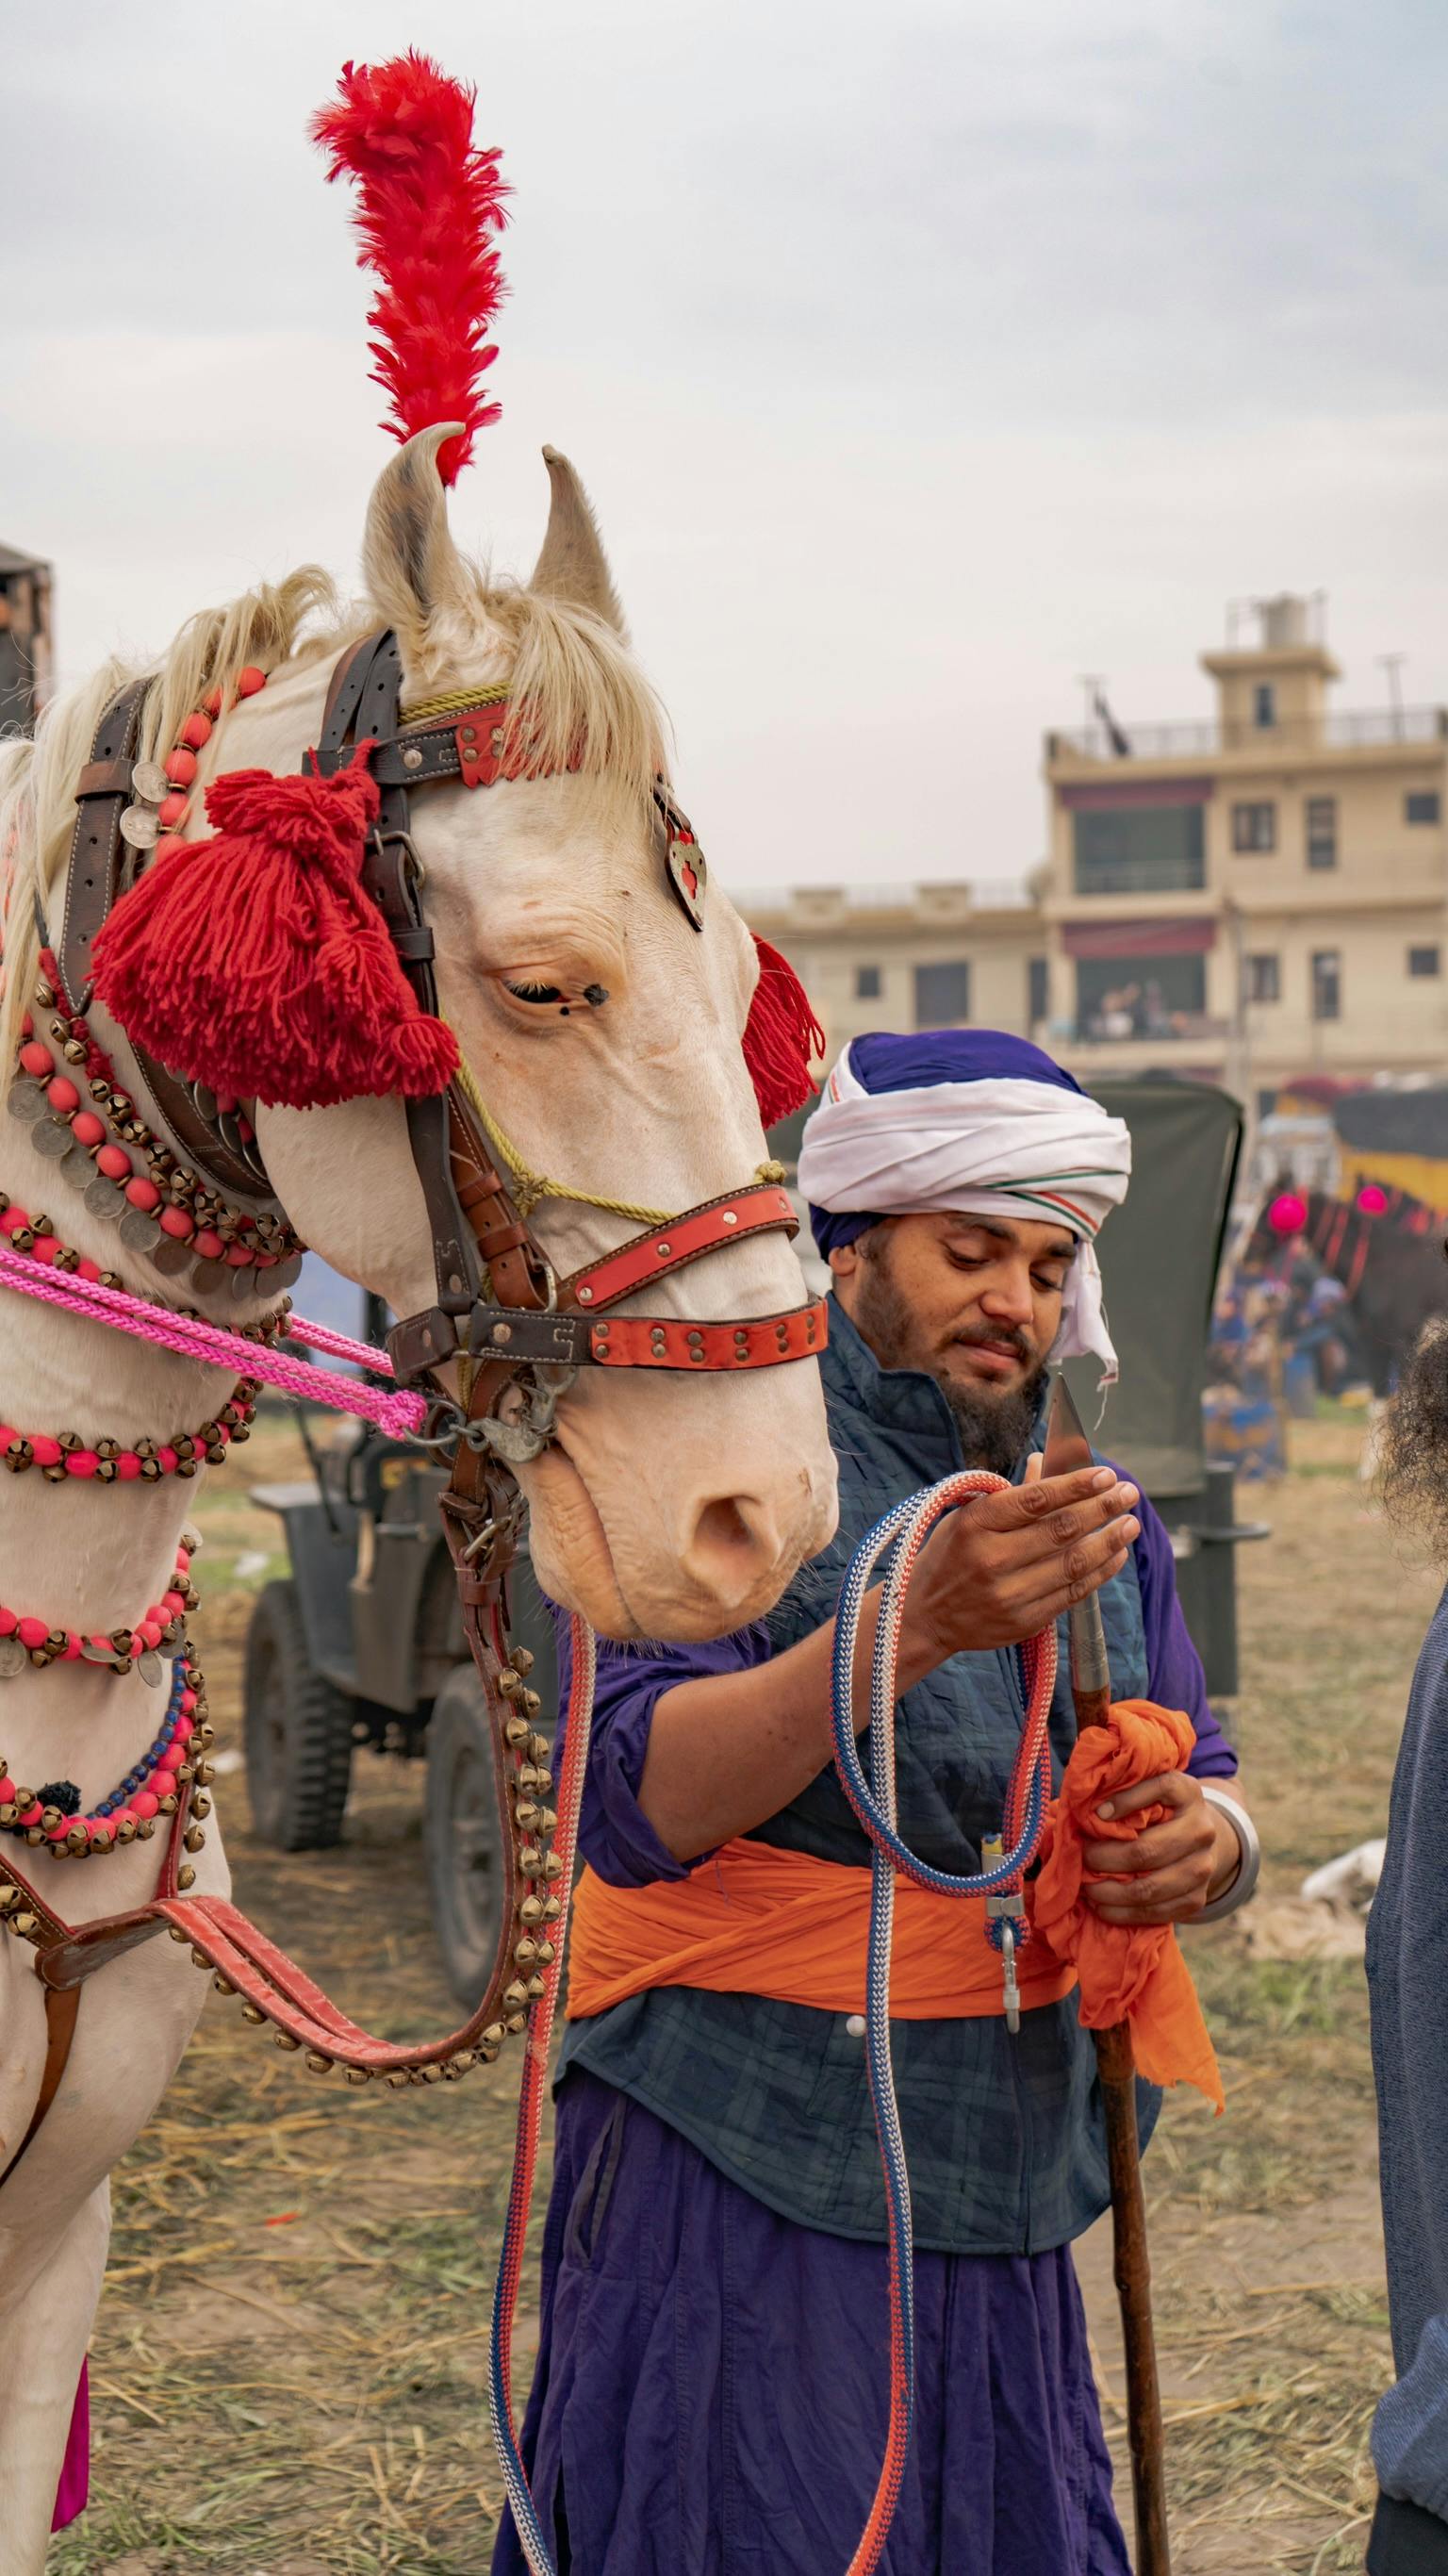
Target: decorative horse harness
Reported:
[(516, 1333)]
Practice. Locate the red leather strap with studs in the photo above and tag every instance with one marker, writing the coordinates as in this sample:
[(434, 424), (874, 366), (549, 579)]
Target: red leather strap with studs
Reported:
[(668, 1342), (761, 1209)]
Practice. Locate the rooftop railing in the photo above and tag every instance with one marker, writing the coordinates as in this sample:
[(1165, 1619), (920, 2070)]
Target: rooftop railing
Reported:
[(1370, 730), (943, 898)]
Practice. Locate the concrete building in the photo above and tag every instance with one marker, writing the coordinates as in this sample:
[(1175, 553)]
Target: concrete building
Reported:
[(1255, 896), (25, 675), (1261, 895)]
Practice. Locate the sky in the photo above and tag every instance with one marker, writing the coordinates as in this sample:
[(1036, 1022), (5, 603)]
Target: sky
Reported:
[(918, 358)]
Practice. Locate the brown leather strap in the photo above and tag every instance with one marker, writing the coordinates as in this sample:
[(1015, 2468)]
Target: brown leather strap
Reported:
[(96, 848), (61, 2010)]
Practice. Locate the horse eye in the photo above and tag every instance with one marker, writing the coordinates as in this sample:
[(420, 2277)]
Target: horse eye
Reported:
[(533, 992)]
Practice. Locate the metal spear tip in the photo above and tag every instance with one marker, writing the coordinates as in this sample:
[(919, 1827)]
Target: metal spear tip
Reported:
[(1067, 1447)]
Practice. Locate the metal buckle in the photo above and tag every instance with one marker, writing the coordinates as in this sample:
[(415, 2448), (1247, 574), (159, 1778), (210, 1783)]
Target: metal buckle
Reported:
[(1007, 1907)]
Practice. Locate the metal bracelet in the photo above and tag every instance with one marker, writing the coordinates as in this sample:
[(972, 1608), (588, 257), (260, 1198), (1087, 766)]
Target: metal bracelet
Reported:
[(1243, 1887)]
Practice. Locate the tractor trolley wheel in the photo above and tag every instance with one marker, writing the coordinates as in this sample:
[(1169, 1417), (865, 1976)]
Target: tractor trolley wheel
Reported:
[(461, 1834), (298, 1731)]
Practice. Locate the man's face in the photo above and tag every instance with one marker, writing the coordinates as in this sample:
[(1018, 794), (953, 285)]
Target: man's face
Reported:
[(974, 1302)]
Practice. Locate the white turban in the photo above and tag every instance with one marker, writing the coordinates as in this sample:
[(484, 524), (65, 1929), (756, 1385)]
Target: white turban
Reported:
[(974, 1121)]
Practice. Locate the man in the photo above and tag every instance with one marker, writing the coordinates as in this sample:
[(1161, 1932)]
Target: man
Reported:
[(1407, 1954), (712, 2382)]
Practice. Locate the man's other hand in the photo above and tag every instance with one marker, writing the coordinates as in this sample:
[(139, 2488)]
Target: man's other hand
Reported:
[(1174, 1867), (1007, 1564)]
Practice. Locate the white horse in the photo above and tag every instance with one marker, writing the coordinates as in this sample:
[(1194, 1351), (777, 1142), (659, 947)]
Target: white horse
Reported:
[(667, 1508)]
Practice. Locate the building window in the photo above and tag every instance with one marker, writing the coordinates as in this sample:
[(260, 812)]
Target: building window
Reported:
[(1425, 961), (1254, 827), (1322, 831), (1140, 997), (867, 983), (1327, 984), (1422, 805), (942, 994), (1264, 703), (1139, 849), (1264, 979), (1038, 989)]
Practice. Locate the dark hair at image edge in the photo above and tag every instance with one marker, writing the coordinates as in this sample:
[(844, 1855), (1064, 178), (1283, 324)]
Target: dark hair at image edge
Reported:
[(1414, 1474)]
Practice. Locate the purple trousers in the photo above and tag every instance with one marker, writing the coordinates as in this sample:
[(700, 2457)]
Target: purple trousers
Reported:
[(711, 2391)]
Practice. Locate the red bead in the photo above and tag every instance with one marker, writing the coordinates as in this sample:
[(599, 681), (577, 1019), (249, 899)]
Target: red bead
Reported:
[(209, 1244), (180, 766), (87, 1129), (173, 810), (82, 1462), (249, 681), (196, 732), (137, 1645), (89, 1270), (62, 1095), (143, 1194), (47, 1451), (99, 1829), (188, 1702), (178, 1221), (163, 1784), (45, 1247), (151, 1632), (30, 1815), (212, 703), (7, 1789), (57, 1833), (32, 1632), (12, 1220), (114, 1161), (37, 1059), (166, 1461), (8, 1622), (239, 1255), (172, 1604), (142, 1803), (70, 1651), (128, 1467)]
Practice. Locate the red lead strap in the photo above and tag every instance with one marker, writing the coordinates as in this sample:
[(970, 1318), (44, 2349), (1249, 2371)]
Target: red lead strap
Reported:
[(674, 1342)]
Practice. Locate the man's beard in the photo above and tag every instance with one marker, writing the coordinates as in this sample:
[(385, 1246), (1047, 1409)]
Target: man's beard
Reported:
[(1415, 1441), (995, 1430)]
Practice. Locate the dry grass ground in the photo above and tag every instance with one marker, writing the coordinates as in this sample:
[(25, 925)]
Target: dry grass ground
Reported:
[(288, 2364)]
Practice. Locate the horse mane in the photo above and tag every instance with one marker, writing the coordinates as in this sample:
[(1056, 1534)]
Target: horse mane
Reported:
[(589, 707)]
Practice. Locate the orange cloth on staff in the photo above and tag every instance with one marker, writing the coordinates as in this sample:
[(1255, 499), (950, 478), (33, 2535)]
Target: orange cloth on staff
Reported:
[(756, 1920), (1133, 1973)]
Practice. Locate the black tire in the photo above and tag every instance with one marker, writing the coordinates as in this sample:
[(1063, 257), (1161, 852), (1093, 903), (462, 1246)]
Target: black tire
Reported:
[(298, 1731), (462, 1835)]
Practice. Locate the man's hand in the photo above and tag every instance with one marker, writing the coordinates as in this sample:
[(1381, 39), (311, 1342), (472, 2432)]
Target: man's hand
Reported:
[(1173, 1868), (1007, 1564)]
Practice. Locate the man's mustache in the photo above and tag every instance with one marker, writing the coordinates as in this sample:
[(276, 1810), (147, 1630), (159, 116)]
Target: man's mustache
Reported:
[(1004, 1337)]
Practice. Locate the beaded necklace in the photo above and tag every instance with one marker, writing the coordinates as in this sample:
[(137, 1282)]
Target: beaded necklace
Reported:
[(153, 1788)]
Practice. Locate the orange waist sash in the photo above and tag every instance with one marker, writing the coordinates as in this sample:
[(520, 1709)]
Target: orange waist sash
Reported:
[(756, 1920)]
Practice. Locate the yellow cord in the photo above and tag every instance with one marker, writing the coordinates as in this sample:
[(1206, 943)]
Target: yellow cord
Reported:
[(530, 1186), (457, 702)]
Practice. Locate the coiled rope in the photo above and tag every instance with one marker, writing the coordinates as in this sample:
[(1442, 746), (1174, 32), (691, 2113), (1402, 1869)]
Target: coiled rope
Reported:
[(899, 1537)]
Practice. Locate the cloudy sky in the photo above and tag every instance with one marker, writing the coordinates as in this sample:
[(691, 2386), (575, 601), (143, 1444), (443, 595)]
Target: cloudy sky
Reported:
[(919, 356)]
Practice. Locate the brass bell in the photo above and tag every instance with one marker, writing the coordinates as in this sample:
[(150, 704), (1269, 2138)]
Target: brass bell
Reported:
[(359, 2074), (536, 1987), (531, 1909), (522, 1660), (252, 2013), (317, 2064), (516, 1731), (494, 2035), (284, 2039), (185, 1877), (193, 1838), (546, 1954), (398, 2077), (510, 1682), (515, 1996), (517, 2022), (552, 1865), (222, 1984), (552, 1908), (525, 1951), (530, 1861)]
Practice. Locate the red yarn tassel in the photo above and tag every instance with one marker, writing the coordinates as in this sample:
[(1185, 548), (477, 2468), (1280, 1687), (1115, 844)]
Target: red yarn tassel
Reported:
[(781, 1037), (257, 964)]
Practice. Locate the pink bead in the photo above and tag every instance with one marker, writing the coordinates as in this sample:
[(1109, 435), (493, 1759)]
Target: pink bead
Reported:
[(89, 1270), (209, 1244), (128, 1467), (99, 1828), (172, 1603), (62, 1095), (151, 1631), (212, 703), (114, 1161), (142, 1803), (143, 1194), (121, 1815), (57, 1833), (87, 1129), (8, 1622), (184, 1728), (37, 1059), (137, 1645), (249, 681), (166, 1460), (7, 1789), (32, 1632), (178, 1221), (163, 1784), (188, 1702), (45, 1247), (47, 1451), (174, 810), (180, 766), (12, 1220), (196, 731), (82, 1462), (70, 1651), (239, 1255), (30, 1815)]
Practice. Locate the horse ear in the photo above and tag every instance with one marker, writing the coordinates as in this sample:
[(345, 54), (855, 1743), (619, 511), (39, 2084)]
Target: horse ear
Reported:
[(415, 576), (573, 565)]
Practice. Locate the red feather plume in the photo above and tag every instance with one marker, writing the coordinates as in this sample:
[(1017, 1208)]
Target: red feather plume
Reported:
[(429, 208)]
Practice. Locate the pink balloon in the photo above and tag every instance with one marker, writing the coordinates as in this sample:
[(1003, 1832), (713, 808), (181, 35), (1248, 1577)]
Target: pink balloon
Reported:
[(1287, 1214), (1372, 1200)]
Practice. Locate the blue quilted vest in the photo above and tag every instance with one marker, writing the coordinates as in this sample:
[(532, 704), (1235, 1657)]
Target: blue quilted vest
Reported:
[(1004, 2135)]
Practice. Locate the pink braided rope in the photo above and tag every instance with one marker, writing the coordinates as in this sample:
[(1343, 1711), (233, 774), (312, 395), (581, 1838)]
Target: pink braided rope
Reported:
[(200, 1341)]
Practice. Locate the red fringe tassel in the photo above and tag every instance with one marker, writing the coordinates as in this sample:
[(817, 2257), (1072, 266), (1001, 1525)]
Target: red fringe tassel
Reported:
[(781, 1038), (256, 962)]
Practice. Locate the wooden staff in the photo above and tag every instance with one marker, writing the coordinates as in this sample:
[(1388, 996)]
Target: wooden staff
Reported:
[(1068, 1448)]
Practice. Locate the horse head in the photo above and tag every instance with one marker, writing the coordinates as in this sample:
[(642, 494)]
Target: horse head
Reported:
[(603, 1033)]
